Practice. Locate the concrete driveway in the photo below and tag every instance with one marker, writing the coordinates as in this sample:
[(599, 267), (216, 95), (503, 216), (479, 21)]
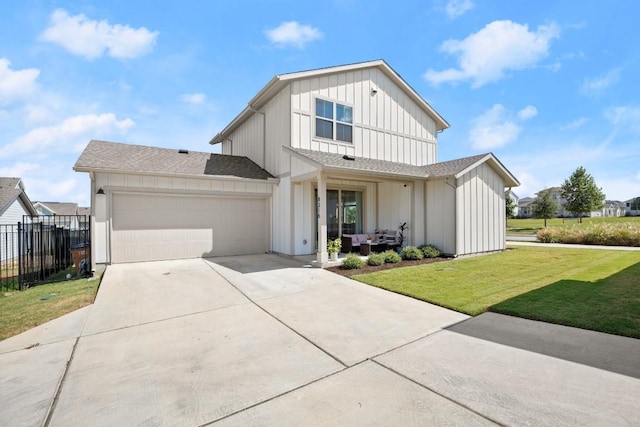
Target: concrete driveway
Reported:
[(264, 340)]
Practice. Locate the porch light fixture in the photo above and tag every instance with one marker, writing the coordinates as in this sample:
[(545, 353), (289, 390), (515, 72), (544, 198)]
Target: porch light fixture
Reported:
[(100, 191), (373, 91)]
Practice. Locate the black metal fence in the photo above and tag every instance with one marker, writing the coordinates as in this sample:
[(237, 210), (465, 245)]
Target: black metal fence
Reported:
[(34, 250)]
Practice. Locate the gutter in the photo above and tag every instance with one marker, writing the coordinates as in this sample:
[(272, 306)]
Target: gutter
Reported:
[(177, 175)]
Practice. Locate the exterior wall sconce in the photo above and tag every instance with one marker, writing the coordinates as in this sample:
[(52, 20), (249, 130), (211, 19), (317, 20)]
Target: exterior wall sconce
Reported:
[(100, 191)]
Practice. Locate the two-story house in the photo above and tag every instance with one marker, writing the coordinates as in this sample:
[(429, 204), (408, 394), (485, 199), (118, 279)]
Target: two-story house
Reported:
[(314, 155)]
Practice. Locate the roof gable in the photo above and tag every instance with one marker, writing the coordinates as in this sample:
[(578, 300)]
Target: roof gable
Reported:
[(279, 82), (458, 167), (10, 190), (117, 157)]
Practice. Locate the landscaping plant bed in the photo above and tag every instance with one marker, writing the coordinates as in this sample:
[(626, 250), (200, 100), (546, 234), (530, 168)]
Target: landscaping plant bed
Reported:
[(372, 269)]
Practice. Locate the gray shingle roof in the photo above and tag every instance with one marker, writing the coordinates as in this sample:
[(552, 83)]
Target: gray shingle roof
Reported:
[(9, 191), (436, 170), (362, 164), (113, 156), (61, 208), (452, 167)]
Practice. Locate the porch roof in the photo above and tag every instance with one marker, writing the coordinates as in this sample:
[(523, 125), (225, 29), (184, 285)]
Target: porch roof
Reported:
[(451, 168), (344, 163)]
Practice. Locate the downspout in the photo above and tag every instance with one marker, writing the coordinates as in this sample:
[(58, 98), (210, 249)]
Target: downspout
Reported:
[(455, 214)]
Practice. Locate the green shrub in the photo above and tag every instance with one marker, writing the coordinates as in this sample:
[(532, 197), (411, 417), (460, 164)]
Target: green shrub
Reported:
[(352, 261), (607, 234), (391, 256), (429, 251), (375, 259), (411, 253)]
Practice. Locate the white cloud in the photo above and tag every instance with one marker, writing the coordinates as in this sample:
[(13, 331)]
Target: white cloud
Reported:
[(88, 38), (294, 34), (19, 169), (193, 98), (576, 124), (493, 129), (18, 84), (527, 112), (71, 134), (624, 118), (485, 56), (597, 85), (455, 8)]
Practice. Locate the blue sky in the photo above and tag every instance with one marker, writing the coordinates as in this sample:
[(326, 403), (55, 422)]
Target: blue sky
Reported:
[(547, 86)]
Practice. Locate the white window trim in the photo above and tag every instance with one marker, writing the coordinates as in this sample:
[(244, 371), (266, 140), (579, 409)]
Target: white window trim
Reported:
[(334, 121)]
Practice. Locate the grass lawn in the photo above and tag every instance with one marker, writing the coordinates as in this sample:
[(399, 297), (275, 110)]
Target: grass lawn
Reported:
[(531, 226), (587, 288), (26, 309)]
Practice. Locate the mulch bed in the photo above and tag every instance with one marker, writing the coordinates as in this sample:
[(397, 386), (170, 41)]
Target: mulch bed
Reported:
[(371, 269)]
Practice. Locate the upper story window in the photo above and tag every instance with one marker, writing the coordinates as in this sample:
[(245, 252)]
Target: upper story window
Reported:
[(334, 121)]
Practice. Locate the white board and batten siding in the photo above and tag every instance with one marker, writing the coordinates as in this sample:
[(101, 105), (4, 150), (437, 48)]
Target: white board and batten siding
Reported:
[(156, 218), (480, 215), (387, 125), (262, 141), (440, 209)]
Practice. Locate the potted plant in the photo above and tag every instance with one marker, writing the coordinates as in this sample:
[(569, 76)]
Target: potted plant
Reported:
[(333, 247), (369, 238)]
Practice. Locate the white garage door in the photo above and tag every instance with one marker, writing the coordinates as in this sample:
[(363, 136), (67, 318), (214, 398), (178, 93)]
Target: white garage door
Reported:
[(160, 227)]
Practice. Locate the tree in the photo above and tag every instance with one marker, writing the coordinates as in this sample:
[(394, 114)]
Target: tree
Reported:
[(544, 207), (510, 204), (582, 193)]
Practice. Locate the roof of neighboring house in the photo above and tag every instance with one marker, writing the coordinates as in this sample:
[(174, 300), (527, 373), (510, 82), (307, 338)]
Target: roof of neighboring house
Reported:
[(10, 190), (59, 208), (452, 168), (277, 83), (117, 157), (84, 210)]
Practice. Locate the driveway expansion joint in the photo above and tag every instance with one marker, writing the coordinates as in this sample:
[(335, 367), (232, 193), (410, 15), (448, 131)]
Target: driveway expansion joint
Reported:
[(211, 265), (56, 395), (444, 396)]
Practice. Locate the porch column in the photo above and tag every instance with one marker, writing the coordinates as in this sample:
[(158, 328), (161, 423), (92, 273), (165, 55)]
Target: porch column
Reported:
[(322, 255)]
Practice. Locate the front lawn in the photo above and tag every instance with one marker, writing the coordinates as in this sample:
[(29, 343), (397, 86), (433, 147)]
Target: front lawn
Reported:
[(587, 288), (22, 310)]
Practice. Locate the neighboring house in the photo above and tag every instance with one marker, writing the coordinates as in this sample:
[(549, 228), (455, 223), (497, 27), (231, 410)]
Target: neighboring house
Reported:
[(14, 202), (66, 211), (632, 207), (525, 207), (316, 154), (613, 208), (516, 202), (562, 212), (14, 207)]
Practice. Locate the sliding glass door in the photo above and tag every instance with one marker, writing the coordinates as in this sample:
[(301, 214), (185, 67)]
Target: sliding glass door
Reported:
[(344, 212)]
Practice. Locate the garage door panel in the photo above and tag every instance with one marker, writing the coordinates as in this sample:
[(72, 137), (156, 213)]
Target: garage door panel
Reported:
[(157, 227)]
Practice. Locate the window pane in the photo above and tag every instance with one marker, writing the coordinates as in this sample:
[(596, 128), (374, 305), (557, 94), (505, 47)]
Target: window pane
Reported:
[(324, 108), (344, 113), (344, 132), (324, 129)]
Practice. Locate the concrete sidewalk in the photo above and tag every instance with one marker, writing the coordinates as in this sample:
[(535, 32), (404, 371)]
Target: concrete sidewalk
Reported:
[(262, 340)]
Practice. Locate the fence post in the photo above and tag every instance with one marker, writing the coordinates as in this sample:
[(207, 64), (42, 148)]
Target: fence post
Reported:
[(41, 250), (20, 266)]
